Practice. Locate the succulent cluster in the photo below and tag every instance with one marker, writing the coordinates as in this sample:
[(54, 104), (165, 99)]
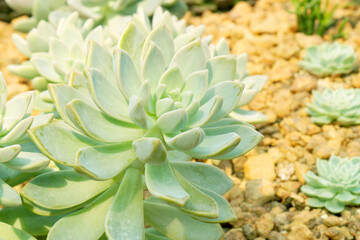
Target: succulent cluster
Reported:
[(100, 11), (340, 105), (336, 185), (19, 157), (133, 121), (328, 59)]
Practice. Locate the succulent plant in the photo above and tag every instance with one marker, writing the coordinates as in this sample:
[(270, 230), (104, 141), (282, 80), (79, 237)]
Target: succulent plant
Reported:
[(340, 105), (336, 185), (19, 157), (327, 59), (100, 11), (131, 124)]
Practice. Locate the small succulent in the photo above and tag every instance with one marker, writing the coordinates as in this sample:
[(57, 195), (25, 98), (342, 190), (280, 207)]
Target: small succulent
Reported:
[(340, 105), (336, 185), (131, 125), (100, 11), (19, 157), (328, 59)]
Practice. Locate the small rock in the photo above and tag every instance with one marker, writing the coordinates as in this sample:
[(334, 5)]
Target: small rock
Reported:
[(300, 170), (242, 218), (259, 167), (303, 83), (335, 233), (249, 231), (235, 234), (259, 191), (276, 236), (264, 225), (332, 221), (298, 231), (324, 151)]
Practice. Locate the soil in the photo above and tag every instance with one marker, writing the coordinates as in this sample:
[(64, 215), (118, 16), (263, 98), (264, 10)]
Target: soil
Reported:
[(266, 196)]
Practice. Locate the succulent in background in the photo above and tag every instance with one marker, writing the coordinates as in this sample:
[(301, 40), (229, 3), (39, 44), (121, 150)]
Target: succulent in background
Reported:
[(133, 122), (54, 51), (340, 105), (327, 59), (336, 185), (19, 157), (101, 12)]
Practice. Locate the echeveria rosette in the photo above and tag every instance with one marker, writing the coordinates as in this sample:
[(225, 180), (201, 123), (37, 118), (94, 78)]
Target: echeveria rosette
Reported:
[(336, 185), (100, 11), (54, 51), (339, 105), (327, 59), (19, 157), (133, 122)]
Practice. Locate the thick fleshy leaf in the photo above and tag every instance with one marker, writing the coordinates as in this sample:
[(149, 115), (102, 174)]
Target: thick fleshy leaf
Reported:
[(334, 206), (186, 140), (131, 41), (204, 175), (137, 112), (58, 143), (241, 71), (44, 65), (149, 150), (87, 223), (17, 132), (215, 145), (100, 58), (153, 64), (23, 219), (28, 162), (230, 92), (9, 232), (152, 234), (172, 121), (221, 68), (172, 78), (63, 189), (314, 180), (162, 183), (193, 51), (176, 224), (8, 153), (206, 112), (98, 126), (315, 202), (104, 162), (197, 83), (226, 214), (25, 70), (345, 197), (248, 116), (21, 45), (106, 96), (8, 196), (125, 218)]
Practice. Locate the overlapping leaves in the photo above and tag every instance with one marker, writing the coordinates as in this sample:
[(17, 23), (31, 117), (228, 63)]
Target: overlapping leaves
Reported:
[(336, 185)]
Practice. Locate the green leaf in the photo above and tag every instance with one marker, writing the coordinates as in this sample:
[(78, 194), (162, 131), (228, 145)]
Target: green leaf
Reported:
[(100, 127), (8, 196), (152, 234), (204, 175), (226, 214), (334, 206), (28, 162), (345, 197), (186, 140), (197, 83), (199, 203), (172, 78), (88, 223), (153, 64), (17, 132), (104, 162), (221, 68), (27, 221), (212, 146), (248, 116), (43, 63), (9, 232), (173, 121), (62, 190), (137, 112), (315, 181), (206, 112), (150, 150), (315, 202), (8, 153), (125, 218), (162, 183), (175, 224), (194, 51), (58, 143), (106, 96)]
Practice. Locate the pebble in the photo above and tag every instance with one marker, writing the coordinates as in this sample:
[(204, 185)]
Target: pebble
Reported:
[(249, 231), (235, 234), (264, 225), (260, 167), (259, 191), (298, 231)]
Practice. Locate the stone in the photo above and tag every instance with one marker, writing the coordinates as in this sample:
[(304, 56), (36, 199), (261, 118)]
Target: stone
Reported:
[(249, 231), (324, 151), (303, 83), (300, 170), (331, 221), (298, 231), (264, 225), (235, 234), (276, 236), (259, 167), (242, 218), (259, 191)]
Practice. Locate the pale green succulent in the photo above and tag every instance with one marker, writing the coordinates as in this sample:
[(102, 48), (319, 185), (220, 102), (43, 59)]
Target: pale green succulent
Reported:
[(336, 185), (19, 157), (54, 51), (133, 123), (340, 105), (328, 59), (100, 11)]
